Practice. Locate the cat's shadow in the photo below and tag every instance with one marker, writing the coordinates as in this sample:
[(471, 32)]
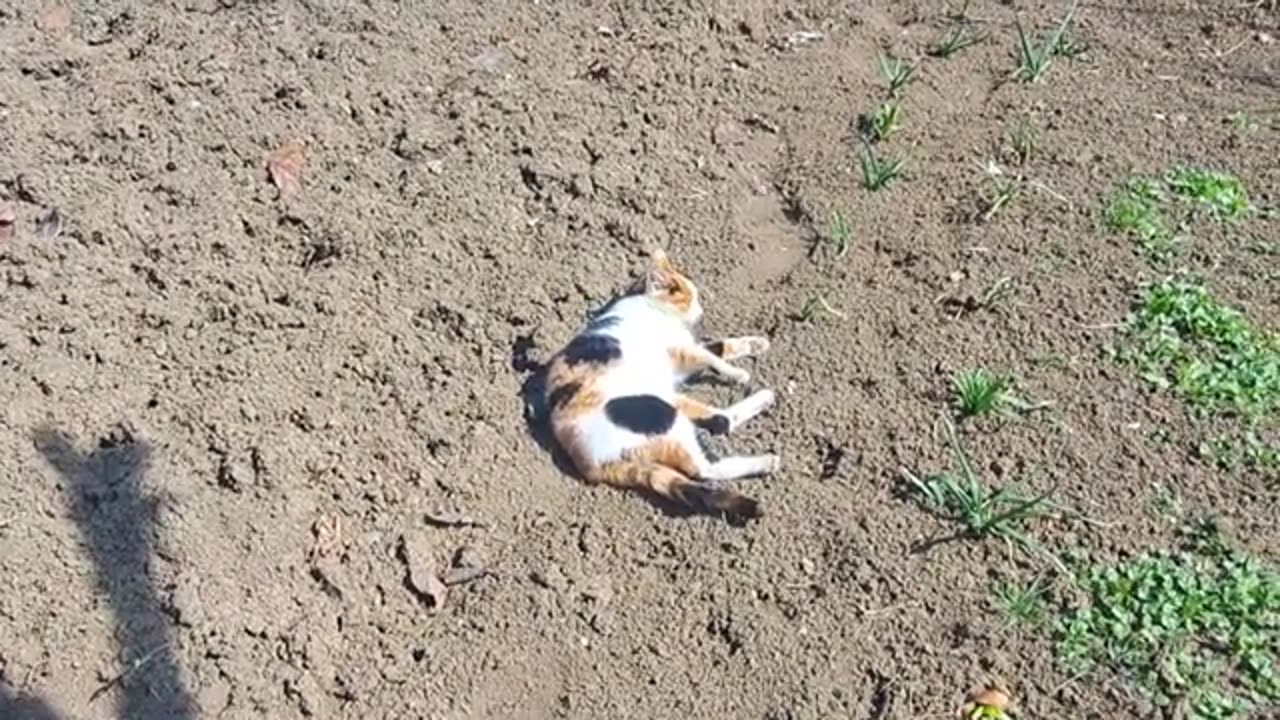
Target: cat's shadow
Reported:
[(538, 427)]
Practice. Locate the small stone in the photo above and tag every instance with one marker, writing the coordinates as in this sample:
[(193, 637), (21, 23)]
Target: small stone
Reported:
[(467, 557), (234, 474), (55, 20), (185, 601), (494, 60), (311, 699), (214, 697), (552, 578), (598, 589), (728, 134)]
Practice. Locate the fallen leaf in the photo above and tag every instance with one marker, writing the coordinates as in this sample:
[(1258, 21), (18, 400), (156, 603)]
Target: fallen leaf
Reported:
[(993, 698), (422, 579), (460, 575), (55, 19), (49, 227), (452, 518), (285, 167), (8, 222)]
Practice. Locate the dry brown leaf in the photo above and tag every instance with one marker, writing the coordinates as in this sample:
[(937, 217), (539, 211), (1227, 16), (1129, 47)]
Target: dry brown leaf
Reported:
[(993, 698), (55, 19), (8, 222), (285, 167), (452, 518), (415, 551)]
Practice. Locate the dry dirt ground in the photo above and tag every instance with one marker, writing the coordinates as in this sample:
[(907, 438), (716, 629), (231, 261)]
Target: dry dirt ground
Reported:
[(231, 413)]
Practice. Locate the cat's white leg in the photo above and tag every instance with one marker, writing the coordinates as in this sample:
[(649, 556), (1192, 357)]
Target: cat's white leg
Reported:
[(737, 347), (690, 359), (732, 468), (749, 407)]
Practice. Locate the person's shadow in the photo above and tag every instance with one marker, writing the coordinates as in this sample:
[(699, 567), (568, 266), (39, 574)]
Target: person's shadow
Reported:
[(103, 491)]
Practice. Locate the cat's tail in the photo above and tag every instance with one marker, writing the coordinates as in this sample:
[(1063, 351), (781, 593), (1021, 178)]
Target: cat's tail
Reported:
[(673, 485)]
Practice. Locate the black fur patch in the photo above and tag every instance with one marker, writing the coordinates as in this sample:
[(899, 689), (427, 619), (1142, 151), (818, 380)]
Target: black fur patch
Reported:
[(563, 394), (716, 347), (716, 424), (643, 414), (600, 349)]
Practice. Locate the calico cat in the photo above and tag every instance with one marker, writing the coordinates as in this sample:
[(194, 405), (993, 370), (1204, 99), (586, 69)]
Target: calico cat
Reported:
[(617, 411)]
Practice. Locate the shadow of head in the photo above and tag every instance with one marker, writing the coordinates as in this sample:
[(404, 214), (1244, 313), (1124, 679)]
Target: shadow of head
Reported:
[(117, 521), (104, 487), (14, 706)]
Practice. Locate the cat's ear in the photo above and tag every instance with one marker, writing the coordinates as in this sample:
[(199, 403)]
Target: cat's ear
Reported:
[(661, 273), (660, 260), (658, 281)]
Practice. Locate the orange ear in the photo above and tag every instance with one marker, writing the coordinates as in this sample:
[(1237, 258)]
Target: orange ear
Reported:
[(660, 260), (658, 280)]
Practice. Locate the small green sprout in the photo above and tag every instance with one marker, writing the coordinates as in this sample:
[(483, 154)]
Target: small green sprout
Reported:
[(1005, 188), (887, 119), (1023, 139), (1033, 60), (841, 233), (817, 307), (957, 38), (878, 172), (897, 72)]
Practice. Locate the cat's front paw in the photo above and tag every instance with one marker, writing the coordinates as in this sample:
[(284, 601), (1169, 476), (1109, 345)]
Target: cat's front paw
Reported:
[(736, 374), (755, 345), (772, 463)]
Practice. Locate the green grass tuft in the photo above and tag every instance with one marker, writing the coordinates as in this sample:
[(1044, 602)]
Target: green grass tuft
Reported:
[(1224, 195), (1181, 338), (1135, 210), (1023, 603), (983, 513), (1197, 630), (977, 393)]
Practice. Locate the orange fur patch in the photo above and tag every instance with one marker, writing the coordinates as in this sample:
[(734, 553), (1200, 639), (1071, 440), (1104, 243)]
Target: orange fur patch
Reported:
[(687, 359), (665, 452), (693, 409), (585, 399)]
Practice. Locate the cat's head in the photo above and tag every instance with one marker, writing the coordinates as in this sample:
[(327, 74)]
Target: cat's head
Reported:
[(671, 289)]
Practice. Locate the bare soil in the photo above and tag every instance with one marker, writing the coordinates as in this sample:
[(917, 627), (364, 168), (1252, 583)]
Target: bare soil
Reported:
[(230, 413)]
